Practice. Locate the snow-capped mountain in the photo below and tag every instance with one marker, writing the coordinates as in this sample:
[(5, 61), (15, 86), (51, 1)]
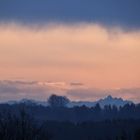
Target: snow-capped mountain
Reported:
[(109, 100)]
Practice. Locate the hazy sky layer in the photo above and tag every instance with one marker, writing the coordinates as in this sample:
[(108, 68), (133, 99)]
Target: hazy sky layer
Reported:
[(95, 43), (17, 90), (89, 53)]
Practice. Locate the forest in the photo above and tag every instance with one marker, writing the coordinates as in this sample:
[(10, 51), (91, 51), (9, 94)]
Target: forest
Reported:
[(59, 122)]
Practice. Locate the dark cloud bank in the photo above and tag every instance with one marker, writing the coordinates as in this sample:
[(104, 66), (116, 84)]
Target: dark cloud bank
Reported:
[(15, 90), (109, 12)]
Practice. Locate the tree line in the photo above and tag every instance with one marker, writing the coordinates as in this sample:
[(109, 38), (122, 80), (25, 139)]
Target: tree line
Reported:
[(59, 122)]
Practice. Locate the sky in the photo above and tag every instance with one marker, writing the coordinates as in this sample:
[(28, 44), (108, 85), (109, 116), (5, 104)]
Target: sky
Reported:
[(83, 49)]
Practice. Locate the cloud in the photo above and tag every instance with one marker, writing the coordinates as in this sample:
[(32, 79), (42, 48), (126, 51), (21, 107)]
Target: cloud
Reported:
[(110, 12), (15, 90), (87, 94), (12, 90), (91, 94), (76, 84), (104, 57), (128, 93)]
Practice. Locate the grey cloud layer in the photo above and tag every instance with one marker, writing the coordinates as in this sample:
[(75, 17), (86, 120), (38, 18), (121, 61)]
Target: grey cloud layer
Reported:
[(12, 90), (94, 94), (15, 90), (120, 12)]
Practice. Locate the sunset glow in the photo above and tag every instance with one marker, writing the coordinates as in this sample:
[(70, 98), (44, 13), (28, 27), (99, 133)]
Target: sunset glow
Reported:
[(92, 54), (94, 43)]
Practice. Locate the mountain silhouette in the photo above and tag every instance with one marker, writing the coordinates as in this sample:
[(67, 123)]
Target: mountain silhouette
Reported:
[(108, 100)]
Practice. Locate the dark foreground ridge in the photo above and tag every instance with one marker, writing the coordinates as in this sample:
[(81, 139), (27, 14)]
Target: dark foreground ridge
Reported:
[(56, 121)]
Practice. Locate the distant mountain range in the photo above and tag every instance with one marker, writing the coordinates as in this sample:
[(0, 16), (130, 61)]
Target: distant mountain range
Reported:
[(109, 100), (28, 102)]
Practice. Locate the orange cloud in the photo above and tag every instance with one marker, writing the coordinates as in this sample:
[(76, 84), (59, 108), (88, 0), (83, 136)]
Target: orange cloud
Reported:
[(90, 53)]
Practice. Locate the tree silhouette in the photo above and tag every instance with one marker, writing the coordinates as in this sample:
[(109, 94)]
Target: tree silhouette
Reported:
[(137, 134), (21, 127), (58, 101)]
